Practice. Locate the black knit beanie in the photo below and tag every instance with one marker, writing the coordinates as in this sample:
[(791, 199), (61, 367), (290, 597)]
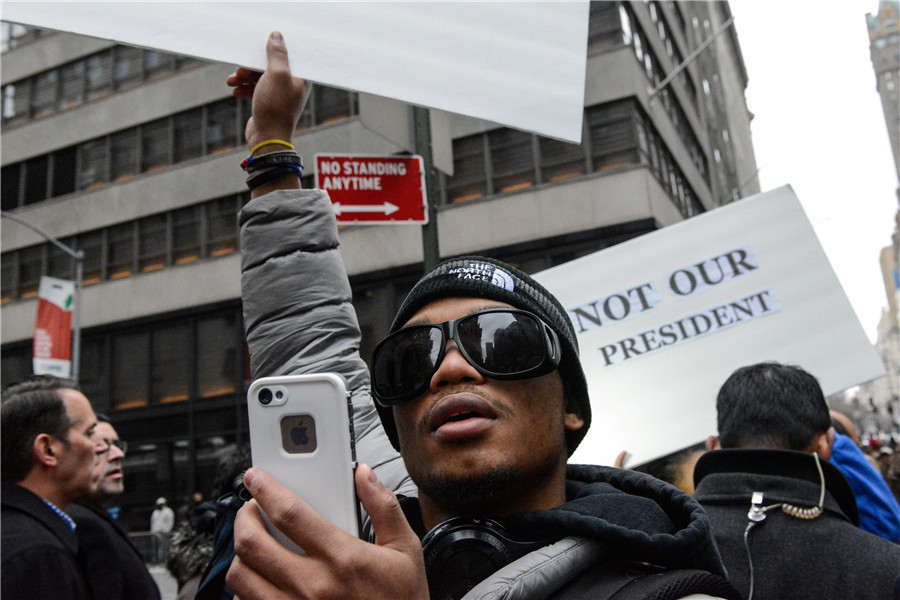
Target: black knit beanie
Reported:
[(479, 277)]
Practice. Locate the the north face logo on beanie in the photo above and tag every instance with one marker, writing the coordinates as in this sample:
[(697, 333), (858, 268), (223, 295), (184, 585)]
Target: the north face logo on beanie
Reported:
[(484, 272)]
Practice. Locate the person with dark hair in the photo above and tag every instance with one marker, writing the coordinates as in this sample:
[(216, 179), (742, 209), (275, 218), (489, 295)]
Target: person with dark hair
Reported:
[(480, 388), (784, 518), (676, 468), (114, 566), (49, 450)]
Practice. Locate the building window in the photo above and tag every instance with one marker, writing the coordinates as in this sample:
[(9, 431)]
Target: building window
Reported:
[(31, 266), (8, 278), (124, 156), (221, 126), (128, 67), (120, 251), (93, 164), (186, 235), (60, 263), (15, 103), (92, 372), (612, 135), (35, 179), (130, 358), (604, 29), (512, 159), (331, 104), (152, 242), (469, 180), (72, 87), (188, 134), (218, 337), (99, 75), (17, 364), (64, 171), (560, 160), (221, 226), (156, 64), (43, 100), (170, 363), (10, 180), (91, 244), (155, 145)]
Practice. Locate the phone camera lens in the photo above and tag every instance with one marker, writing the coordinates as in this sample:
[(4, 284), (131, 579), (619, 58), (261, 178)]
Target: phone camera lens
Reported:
[(265, 396), (279, 394)]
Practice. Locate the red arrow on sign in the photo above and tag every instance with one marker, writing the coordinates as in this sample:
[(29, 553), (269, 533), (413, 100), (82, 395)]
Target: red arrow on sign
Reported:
[(374, 190)]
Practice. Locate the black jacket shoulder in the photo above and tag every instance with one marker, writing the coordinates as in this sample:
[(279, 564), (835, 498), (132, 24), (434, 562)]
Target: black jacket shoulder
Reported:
[(33, 538)]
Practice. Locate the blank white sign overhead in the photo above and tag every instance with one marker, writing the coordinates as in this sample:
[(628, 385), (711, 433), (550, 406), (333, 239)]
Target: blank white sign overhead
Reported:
[(520, 64)]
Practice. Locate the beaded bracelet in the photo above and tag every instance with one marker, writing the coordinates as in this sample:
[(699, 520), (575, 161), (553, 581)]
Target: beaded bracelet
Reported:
[(266, 175)]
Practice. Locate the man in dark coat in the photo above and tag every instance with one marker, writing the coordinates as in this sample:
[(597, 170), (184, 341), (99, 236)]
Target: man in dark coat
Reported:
[(49, 449), (114, 566), (785, 519)]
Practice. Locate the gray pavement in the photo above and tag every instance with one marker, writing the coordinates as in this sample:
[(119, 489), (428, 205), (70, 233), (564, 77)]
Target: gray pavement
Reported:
[(168, 587)]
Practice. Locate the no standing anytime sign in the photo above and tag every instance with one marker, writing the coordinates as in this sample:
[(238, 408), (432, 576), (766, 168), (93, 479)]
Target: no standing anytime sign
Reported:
[(374, 190)]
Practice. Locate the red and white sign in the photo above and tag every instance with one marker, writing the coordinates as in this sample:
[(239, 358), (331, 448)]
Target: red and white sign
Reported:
[(374, 190), (52, 350)]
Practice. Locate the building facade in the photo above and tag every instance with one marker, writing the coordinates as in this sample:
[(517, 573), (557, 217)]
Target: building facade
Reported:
[(883, 395), (131, 156)]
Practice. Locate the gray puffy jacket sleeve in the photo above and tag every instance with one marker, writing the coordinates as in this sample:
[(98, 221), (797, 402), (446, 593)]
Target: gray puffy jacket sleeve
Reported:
[(298, 315)]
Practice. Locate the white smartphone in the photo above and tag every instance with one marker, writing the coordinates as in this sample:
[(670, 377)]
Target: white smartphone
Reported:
[(301, 433)]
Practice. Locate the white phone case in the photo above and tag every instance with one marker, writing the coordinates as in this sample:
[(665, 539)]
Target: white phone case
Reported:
[(301, 433)]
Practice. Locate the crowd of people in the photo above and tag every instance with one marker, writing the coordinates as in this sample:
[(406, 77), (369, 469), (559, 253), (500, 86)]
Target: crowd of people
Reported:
[(464, 425)]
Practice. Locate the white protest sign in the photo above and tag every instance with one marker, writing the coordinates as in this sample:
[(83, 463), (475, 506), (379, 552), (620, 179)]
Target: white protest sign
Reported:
[(520, 64), (665, 318)]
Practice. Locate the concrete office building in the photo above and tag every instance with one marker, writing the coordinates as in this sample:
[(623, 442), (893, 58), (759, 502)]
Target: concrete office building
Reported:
[(132, 157)]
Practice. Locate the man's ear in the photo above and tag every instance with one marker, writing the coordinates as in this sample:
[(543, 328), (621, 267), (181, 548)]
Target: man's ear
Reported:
[(45, 450), (573, 421), (712, 443), (823, 443)]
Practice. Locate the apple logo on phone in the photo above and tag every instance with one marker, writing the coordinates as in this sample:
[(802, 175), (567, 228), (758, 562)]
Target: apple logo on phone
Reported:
[(298, 434)]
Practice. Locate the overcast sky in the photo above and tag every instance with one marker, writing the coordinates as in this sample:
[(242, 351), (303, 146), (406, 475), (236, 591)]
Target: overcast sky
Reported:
[(819, 126)]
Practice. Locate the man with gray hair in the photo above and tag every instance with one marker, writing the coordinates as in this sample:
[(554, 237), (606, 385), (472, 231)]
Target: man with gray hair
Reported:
[(114, 566)]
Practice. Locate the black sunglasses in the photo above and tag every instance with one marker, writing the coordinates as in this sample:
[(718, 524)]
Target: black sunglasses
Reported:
[(500, 343)]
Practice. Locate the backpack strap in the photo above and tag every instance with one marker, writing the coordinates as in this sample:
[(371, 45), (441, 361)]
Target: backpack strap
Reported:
[(616, 580), (212, 586), (671, 585)]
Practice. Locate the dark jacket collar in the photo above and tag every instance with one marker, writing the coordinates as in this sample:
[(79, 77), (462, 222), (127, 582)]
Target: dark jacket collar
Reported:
[(769, 465), (19, 499)]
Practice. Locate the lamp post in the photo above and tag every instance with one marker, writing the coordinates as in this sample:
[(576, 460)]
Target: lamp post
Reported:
[(78, 255)]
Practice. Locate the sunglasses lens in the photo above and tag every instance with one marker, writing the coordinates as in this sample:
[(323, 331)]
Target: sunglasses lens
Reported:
[(404, 363), (503, 343)]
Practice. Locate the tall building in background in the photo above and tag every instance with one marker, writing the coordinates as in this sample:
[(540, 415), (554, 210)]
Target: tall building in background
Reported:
[(131, 156), (883, 395)]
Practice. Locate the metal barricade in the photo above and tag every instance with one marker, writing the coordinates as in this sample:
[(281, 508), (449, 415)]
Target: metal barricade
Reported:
[(154, 547)]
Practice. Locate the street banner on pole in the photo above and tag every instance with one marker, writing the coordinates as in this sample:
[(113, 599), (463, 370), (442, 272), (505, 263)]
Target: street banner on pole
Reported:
[(374, 190), (53, 328), (665, 318), (520, 64)]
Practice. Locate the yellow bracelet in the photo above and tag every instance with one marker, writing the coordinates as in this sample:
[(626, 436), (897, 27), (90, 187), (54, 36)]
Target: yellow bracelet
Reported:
[(267, 142)]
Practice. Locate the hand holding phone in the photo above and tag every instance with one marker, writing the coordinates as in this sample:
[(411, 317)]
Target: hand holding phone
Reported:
[(301, 433)]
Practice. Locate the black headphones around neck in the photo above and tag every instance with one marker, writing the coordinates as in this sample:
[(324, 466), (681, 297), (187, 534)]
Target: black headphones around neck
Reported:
[(462, 552)]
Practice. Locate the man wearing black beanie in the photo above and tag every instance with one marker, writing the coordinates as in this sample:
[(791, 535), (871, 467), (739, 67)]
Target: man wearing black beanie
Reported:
[(478, 386)]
